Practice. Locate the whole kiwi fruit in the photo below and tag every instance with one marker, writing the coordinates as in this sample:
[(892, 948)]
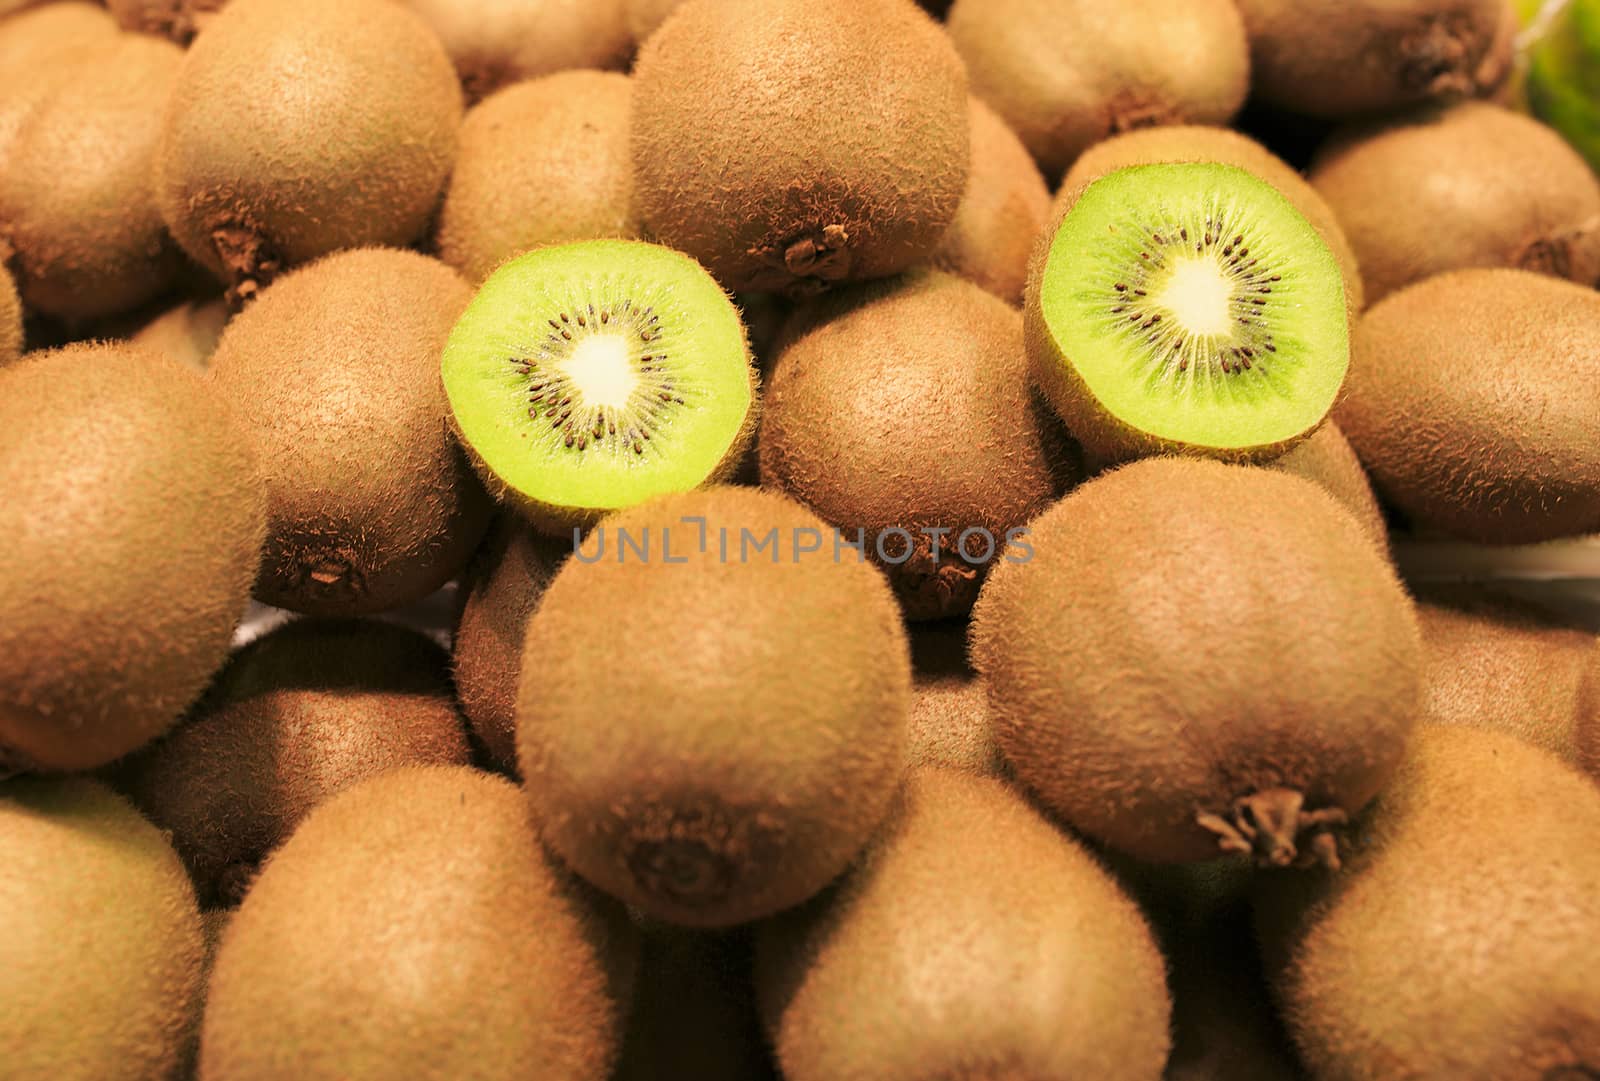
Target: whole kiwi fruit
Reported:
[(37, 47), (297, 715), (135, 523), (103, 954), (1152, 709), (1066, 74), (372, 503), (1469, 401), (79, 224), (644, 17), (421, 903), (495, 43), (10, 319), (1338, 58), (795, 144), (902, 413), (1328, 459), (541, 162), (1518, 196), (1462, 938), (261, 167), (950, 723), (952, 946), (716, 775), (179, 20), (1006, 206), (501, 589)]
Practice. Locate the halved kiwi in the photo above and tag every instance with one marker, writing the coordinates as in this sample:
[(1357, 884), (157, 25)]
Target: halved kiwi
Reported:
[(1187, 308), (588, 377)]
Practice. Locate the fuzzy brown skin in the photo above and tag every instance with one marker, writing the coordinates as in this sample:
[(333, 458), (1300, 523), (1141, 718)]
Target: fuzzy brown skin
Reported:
[(495, 43), (1187, 142), (953, 948), (1470, 401), (736, 765), (644, 17), (263, 166), (372, 504), (188, 333), (1139, 666), (1006, 207), (78, 217), (1066, 75), (503, 586), (103, 959), (950, 723), (412, 927), (543, 162), (10, 319), (1586, 731), (135, 517), (837, 147), (1463, 938), (39, 49), (296, 716), (1328, 459), (907, 406), (1337, 58), (179, 20), (1517, 196)]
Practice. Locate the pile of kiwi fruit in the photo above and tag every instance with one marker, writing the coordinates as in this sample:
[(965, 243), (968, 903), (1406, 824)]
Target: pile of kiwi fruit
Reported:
[(813, 540)]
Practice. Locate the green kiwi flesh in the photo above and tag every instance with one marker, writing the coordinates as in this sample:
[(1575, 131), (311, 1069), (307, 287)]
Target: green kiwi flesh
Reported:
[(421, 902), (1209, 748), (952, 946), (103, 951), (296, 716), (1187, 307), (588, 377), (135, 523), (715, 777)]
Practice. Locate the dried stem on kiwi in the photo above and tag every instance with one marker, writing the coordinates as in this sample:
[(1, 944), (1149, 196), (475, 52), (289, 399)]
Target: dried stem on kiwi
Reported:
[(691, 855), (1438, 61), (808, 265), (1274, 828), (1553, 254), (249, 260)]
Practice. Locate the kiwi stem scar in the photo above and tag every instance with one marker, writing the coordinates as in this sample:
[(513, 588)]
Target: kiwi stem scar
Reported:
[(1274, 828)]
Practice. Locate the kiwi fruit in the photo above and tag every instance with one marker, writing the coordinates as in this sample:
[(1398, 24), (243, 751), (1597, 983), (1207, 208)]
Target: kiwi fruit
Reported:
[(740, 757), (135, 522), (949, 724), (502, 587), (1006, 207), (972, 940), (1213, 702), (419, 902), (587, 377), (1338, 58), (1066, 74), (1186, 307), (79, 224), (297, 715), (495, 43), (1470, 401), (1463, 937), (542, 162), (179, 20), (260, 168), (1193, 142), (103, 951), (902, 414), (37, 52), (644, 17), (794, 144), (372, 504), (188, 332), (1328, 458), (1586, 733), (10, 319)]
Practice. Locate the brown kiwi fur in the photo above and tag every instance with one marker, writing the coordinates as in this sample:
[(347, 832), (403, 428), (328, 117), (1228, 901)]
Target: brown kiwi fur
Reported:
[(10, 319), (261, 168), (794, 144), (906, 406), (188, 332), (1518, 196), (495, 43), (135, 522), (1463, 937), (297, 716), (502, 588), (37, 47), (644, 17), (179, 20), (1586, 734), (421, 903), (1182, 143), (730, 772), (103, 954), (79, 224), (1328, 459), (1066, 75), (1152, 711), (542, 162), (335, 371), (1006, 207), (1470, 401), (950, 949), (1337, 58), (950, 725)]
